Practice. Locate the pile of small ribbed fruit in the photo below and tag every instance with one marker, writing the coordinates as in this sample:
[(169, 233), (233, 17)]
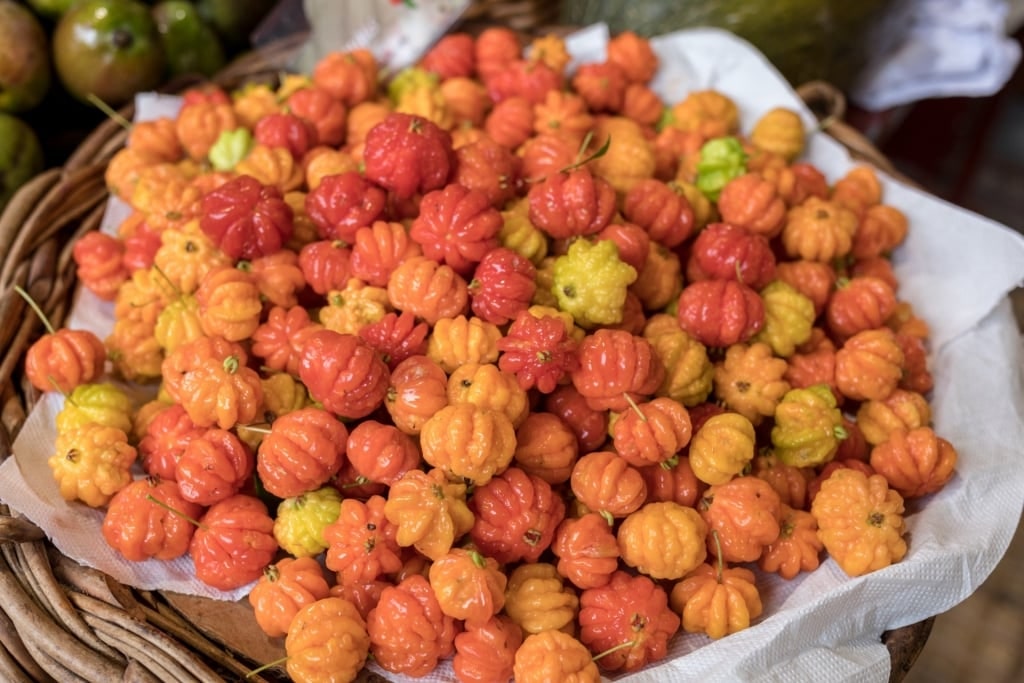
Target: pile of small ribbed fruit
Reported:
[(521, 368)]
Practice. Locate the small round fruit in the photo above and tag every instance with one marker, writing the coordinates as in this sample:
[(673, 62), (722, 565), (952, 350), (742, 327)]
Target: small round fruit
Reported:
[(108, 48), (189, 44), (21, 156), (24, 59)]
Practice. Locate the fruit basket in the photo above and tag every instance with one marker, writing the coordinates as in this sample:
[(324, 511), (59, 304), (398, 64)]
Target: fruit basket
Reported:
[(63, 618)]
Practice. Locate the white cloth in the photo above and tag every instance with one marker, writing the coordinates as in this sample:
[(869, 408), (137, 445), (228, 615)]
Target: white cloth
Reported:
[(951, 48), (398, 33)]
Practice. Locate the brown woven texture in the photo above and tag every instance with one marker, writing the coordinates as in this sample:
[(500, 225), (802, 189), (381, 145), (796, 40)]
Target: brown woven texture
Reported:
[(60, 621), (522, 15)]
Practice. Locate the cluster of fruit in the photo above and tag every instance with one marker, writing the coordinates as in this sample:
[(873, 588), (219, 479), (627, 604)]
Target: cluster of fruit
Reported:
[(543, 369), (107, 49)]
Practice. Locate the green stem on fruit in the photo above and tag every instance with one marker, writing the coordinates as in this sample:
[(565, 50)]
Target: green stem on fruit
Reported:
[(620, 646), (596, 155), (60, 390), (269, 665), (195, 522), (35, 307), (109, 111), (174, 288), (718, 554), (478, 560), (635, 407), (260, 428)]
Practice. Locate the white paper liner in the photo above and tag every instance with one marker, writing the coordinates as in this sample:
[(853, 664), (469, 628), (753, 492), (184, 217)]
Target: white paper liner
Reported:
[(956, 268)]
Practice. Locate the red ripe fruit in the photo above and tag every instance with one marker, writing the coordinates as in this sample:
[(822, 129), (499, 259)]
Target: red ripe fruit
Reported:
[(407, 154), (545, 154), (278, 341), (589, 425), (246, 218), (451, 56), (631, 610), (489, 167), (140, 247), (204, 94), (531, 80), (456, 226), (665, 214), (720, 313), (916, 375), (65, 358), (503, 285), (602, 86), (510, 122), (378, 250), (326, 265), (343, 203), (396, 337), (381, 452), (571, 204), (617, 368), (343, 373), (214, 466), (327, 114), (723, 251), (289, 131), (233, 543), (139, 523), (496, 47), (633, 242), (516, 516), (538, 351), (167, 436), (809, 182), (858, 304), (303, 451), (99, 258)]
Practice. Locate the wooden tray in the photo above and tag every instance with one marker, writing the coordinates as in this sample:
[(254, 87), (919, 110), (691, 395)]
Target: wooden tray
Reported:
[(60, 621)]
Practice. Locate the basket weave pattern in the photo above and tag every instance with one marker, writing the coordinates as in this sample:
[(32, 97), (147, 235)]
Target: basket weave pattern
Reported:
[(60, 621)]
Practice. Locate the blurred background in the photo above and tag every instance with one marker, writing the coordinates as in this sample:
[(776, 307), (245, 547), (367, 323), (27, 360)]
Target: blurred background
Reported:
[(935, 84), (969, 151)]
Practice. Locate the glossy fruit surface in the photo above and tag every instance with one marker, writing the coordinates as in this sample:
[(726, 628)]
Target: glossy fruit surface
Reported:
[(108, 48)]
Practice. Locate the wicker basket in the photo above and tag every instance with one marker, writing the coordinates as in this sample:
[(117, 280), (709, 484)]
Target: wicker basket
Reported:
[(60, 621), (521, 15)]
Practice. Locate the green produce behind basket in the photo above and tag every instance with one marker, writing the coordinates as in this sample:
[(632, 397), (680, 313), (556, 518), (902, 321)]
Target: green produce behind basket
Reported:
[(190, 45), (108, 48), (21, 157), (24, 59), (806, 40)]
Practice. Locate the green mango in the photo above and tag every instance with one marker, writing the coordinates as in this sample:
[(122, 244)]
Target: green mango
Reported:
[(805, 39), (190, 45), (51, 9), (24, 59), (21, 156), (234, 20), (108, 48)]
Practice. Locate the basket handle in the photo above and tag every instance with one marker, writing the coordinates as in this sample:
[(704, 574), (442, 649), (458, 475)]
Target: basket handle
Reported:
[(828, 104)]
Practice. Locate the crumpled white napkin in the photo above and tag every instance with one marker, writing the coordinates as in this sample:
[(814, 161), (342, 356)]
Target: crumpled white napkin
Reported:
[(397, 32), (951, 48)]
